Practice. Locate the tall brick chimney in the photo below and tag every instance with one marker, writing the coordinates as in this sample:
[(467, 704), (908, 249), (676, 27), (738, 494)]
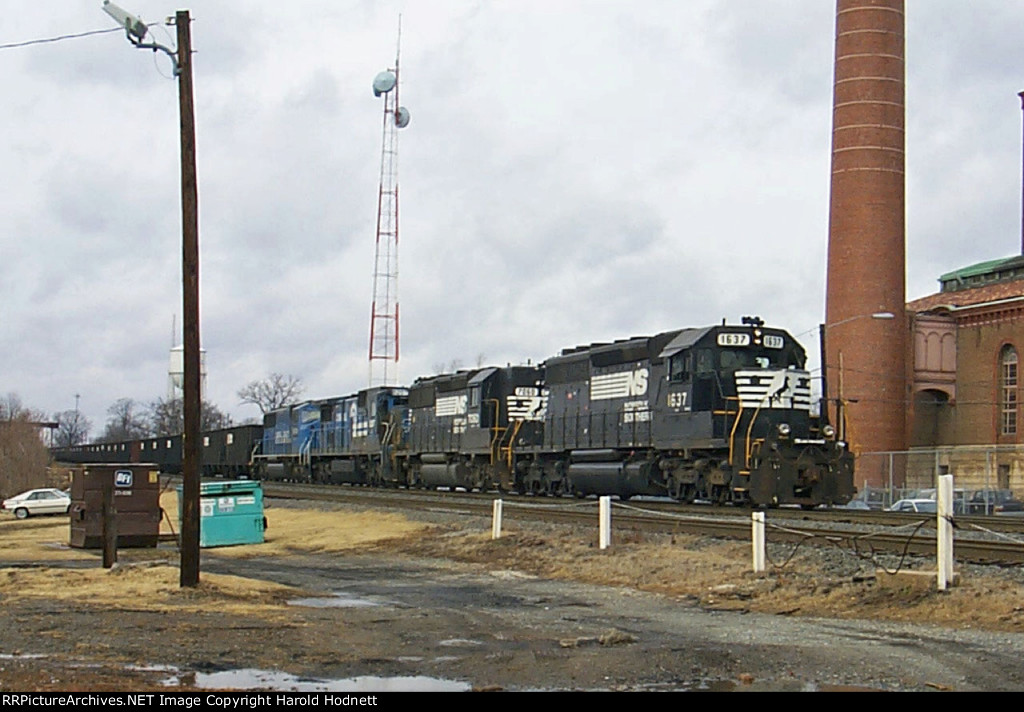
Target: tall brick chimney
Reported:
[(865, 361)]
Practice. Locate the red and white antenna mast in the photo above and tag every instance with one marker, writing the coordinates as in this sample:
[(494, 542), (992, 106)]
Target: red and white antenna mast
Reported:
[(384, 309)]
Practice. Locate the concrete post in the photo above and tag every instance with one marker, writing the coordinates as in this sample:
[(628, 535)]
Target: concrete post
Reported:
[(760, 556), (496, 519), (944, 533), (606, 522)]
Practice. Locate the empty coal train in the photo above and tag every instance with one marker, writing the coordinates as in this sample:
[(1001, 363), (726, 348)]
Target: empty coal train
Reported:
[(720, 413)]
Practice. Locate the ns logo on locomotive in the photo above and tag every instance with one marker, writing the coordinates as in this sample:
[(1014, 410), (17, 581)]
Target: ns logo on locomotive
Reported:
[(720, 413)]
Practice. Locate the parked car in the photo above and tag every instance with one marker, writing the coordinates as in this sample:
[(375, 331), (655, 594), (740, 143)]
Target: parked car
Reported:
[(859, 504), (993, 501), (874, 498), (960, 497), (38, 501), (928, 506)]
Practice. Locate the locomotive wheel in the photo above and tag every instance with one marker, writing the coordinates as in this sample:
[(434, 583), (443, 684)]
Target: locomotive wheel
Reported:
[(675, 488), (480, 483)]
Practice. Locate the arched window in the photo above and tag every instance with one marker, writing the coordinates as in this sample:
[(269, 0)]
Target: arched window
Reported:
[(1008, 388)]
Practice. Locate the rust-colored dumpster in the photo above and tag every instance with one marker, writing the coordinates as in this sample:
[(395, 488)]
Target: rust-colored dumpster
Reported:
[(136, 496)]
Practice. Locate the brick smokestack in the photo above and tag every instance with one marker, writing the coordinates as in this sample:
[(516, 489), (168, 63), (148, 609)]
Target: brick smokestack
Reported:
[(865, 361)]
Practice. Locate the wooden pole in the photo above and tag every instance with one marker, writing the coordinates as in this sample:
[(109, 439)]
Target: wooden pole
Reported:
[(192, 398), (109, 515)]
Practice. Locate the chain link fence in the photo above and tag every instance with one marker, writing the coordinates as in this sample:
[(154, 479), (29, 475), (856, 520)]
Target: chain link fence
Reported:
[(883, 478)]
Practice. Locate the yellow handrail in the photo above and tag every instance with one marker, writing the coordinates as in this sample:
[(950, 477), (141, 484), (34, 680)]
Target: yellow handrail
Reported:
[(753, 419), (496, 431), (735, 424), (511, 440)]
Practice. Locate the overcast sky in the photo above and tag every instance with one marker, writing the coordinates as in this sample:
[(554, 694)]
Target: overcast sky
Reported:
[(574, 171)]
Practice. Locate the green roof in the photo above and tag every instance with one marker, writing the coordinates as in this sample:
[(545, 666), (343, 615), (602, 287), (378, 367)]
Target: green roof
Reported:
[(989, 267)]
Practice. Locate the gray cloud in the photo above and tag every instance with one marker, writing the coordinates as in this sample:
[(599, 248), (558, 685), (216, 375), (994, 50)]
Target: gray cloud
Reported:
[(573, 172)]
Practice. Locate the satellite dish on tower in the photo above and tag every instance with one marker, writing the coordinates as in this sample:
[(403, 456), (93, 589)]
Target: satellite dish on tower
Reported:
[(383, 83), (401, 117)]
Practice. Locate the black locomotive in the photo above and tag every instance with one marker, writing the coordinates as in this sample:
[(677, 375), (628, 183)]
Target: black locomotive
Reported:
[(720, 413)]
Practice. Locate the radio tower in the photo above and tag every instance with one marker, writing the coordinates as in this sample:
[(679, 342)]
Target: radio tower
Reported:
[(384, 309)]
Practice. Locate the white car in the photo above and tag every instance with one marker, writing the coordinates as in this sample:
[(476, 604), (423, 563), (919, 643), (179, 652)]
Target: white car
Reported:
[(928, 506), (38, 501)]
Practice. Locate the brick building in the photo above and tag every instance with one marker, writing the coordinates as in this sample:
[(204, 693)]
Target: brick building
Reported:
[(965, 410)]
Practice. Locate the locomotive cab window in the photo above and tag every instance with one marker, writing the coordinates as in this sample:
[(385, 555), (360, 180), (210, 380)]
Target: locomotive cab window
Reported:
[(705, 362), (679, 367), (735, 359)]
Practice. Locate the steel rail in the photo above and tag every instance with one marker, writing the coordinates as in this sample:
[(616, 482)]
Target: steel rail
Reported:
[(879, 533)]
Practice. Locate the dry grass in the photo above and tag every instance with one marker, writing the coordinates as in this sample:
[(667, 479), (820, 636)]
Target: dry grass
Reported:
[(154, 584), (715, 574), (146, 587)]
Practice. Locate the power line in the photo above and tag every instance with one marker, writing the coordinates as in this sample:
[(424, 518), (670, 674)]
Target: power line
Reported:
[(59, 38)]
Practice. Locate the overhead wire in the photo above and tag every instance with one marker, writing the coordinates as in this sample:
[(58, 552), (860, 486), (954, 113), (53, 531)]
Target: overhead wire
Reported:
[(59, 38)]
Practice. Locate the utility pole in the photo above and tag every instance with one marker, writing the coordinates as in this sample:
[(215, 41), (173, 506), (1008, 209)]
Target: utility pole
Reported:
[(191, 444), (136, 31)]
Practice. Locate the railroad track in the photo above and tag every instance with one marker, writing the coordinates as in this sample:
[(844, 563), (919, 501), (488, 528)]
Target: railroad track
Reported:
[(985, 540)]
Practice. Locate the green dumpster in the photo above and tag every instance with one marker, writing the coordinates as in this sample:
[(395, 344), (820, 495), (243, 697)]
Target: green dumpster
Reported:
[(230, 513)]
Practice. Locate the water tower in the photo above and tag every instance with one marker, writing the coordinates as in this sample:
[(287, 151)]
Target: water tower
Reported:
[(176, 373)]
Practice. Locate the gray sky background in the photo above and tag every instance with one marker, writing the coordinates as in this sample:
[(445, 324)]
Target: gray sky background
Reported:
[(575, 171)]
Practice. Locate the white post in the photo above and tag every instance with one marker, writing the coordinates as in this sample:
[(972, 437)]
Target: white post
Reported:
[(496, 519), (944, 532), (606, 522), (758, 536)]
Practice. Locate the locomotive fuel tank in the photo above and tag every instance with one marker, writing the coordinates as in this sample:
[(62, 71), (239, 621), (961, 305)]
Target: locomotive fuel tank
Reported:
[(437, 471), (624, 479)]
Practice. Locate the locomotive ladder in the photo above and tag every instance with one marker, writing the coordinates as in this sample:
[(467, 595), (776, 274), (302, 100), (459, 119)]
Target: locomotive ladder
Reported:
[(501, 445), (735, 423)]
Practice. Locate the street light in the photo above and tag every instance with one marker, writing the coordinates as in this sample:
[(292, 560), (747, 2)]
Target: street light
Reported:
[(840, 410), (134, 27), (136, 31)]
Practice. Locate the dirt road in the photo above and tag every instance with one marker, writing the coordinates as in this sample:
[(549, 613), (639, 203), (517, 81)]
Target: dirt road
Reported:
[(344, 600)]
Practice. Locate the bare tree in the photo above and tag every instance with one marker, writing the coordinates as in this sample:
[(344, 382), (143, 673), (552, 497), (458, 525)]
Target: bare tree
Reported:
[(167, 417), (11, 409), (72, 428), (126, 421), (275, 391), (452, 366), (213, 418), (23, 457)]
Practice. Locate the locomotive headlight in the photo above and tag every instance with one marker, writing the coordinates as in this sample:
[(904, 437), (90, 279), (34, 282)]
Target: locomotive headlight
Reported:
[(784, 429), (828, 431)]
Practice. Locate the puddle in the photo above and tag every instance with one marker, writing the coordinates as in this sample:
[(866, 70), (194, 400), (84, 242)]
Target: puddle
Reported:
[(459, 642), (284, 682), (337, 600)]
